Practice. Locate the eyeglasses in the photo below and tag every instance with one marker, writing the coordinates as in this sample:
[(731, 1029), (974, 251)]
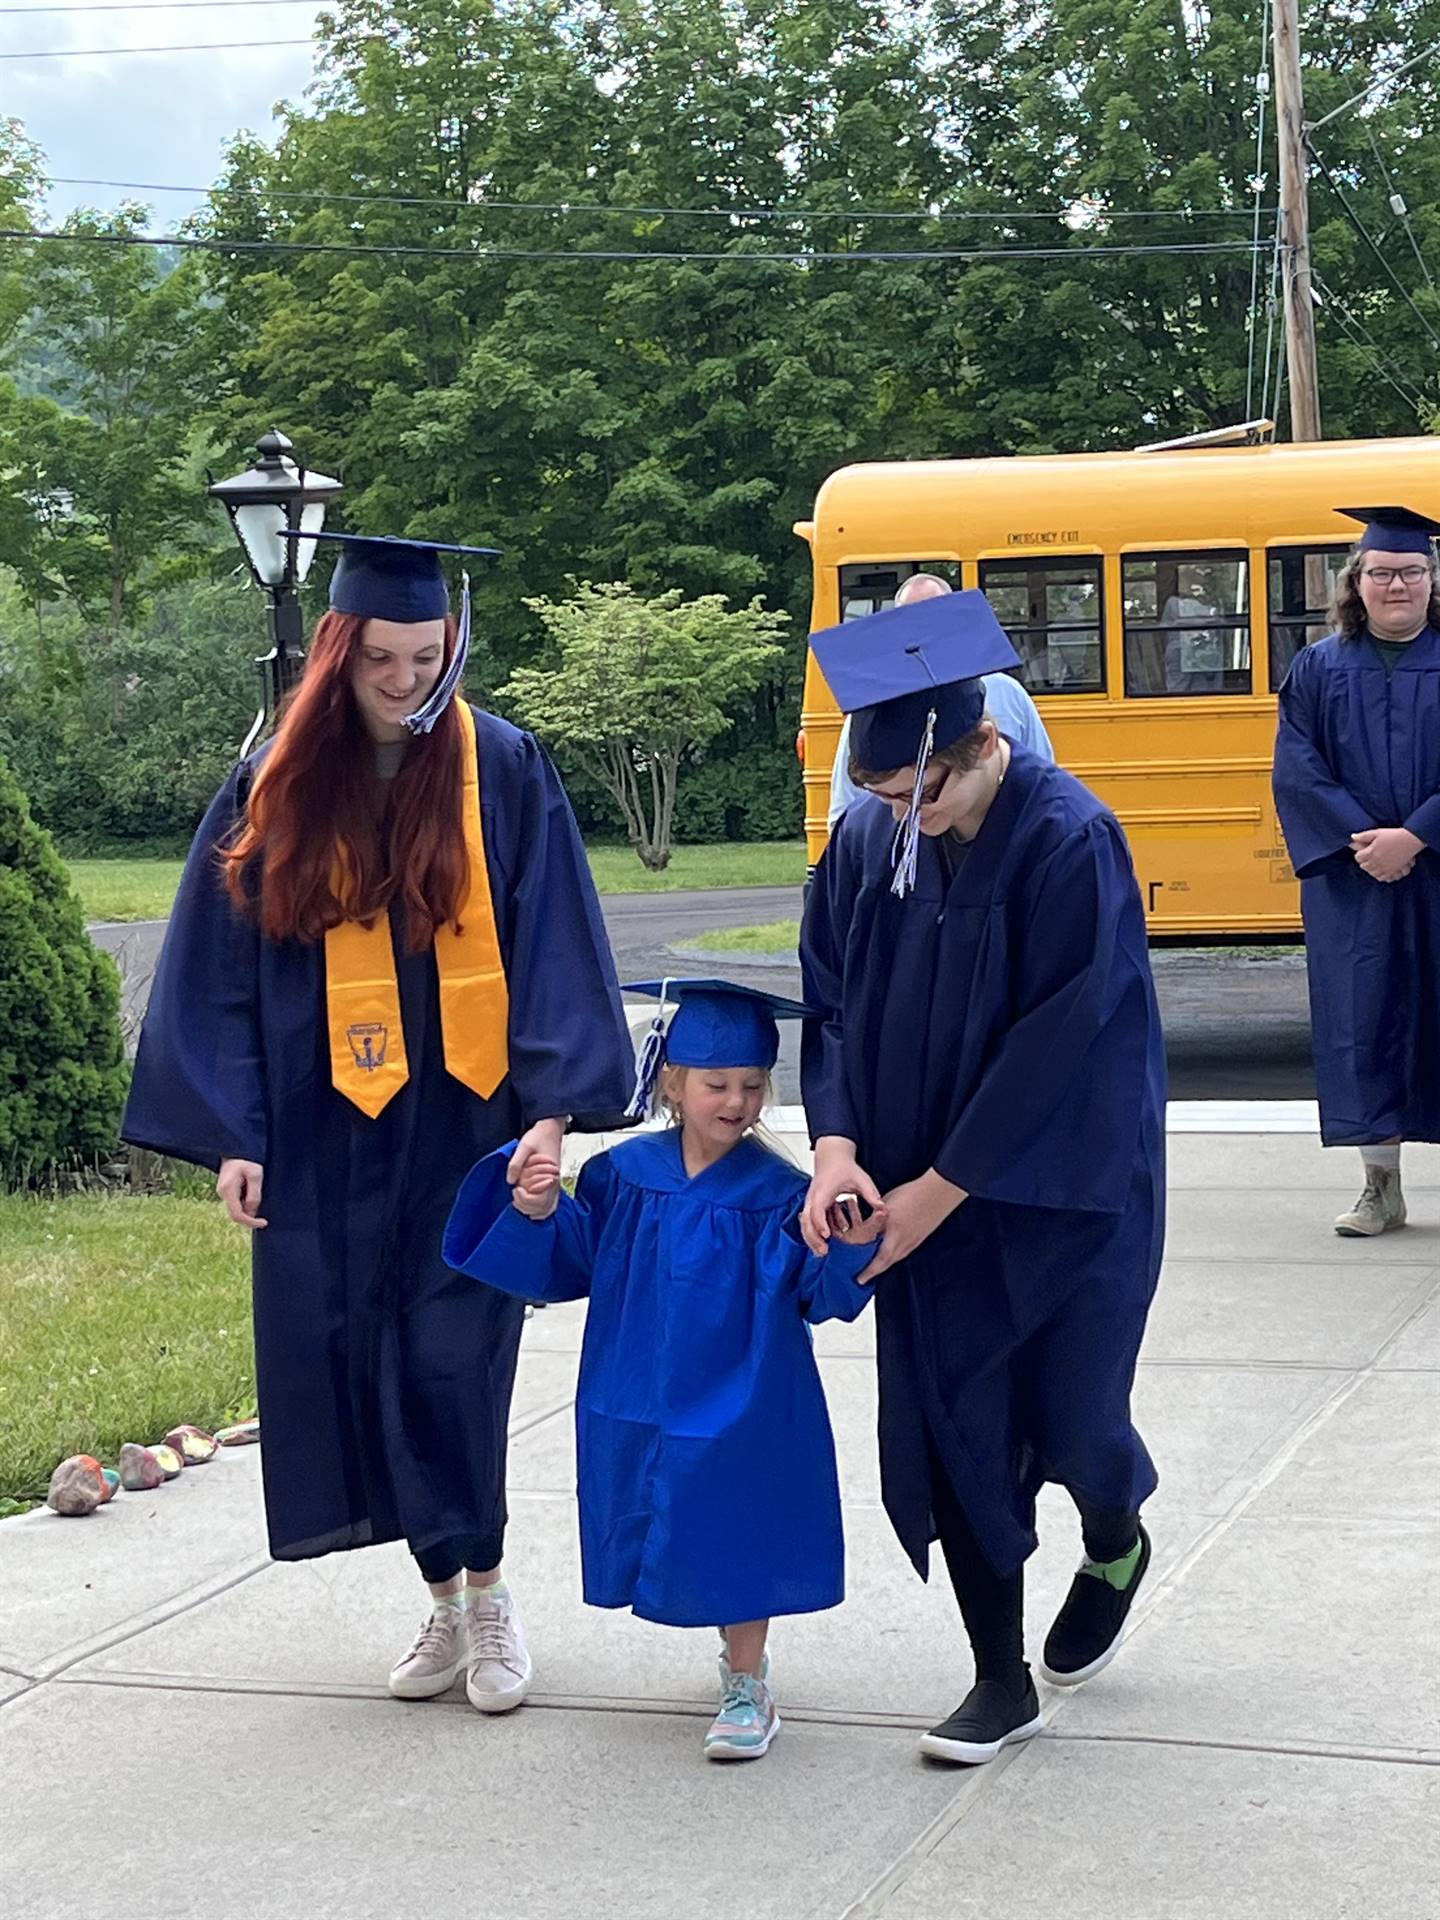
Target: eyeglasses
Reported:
[(929, 793), (1382, 576)]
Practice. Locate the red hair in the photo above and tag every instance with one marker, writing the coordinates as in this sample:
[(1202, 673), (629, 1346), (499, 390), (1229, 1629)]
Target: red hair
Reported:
[(310, 852)]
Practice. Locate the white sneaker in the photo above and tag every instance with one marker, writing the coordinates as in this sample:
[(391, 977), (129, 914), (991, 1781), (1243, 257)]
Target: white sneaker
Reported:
[(500, 1669), (1380, 1207), (437, 1657)]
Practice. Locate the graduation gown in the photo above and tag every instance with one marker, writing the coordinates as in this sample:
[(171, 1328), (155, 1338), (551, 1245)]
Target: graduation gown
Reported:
[(999, 1025), (1358, 747), (384, 1378), (707, 1484)]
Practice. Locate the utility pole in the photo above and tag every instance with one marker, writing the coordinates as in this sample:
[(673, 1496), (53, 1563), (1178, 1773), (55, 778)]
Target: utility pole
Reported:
[(1295, 226)]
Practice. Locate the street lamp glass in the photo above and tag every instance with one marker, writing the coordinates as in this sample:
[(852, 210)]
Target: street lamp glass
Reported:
[(312, 519), (260, 529)]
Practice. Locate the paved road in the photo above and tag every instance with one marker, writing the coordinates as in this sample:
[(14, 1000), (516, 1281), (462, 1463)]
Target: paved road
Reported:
[(1235, 1029)]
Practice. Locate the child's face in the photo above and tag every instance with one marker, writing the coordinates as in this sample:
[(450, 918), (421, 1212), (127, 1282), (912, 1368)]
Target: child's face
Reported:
[(719, 1104)]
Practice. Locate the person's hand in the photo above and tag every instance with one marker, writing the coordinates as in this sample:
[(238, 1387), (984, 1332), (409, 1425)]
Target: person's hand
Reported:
[(837, 1174), (239, 1184), (848, 1225), (1387, 853), (537, 1191), (913, 1212), (542, 1140)]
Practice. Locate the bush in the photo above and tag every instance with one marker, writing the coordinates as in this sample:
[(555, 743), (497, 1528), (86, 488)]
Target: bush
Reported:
[(62, 1061)]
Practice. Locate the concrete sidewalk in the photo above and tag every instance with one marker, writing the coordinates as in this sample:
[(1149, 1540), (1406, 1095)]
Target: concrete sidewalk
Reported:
[(187, 1729)]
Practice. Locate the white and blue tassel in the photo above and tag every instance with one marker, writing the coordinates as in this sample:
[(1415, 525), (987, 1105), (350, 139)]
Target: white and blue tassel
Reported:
[(652, 1058), (424, 717), (905, 848)]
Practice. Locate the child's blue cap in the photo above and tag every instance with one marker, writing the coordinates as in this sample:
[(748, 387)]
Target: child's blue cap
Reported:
[(1393, 529), (389, 579), (717, 1024), (890, 670)]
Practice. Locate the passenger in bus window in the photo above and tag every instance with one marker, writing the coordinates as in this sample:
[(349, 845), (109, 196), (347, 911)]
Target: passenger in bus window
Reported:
[(989, 1070), (1006, 701), (1357, 788)]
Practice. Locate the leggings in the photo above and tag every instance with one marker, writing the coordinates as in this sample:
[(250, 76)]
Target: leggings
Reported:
[(992, 1605), (472, 1552)]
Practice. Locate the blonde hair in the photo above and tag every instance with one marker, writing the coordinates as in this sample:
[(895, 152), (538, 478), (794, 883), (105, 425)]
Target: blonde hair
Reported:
[(670, 1091)]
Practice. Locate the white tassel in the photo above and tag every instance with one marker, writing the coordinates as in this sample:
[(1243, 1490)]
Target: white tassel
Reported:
[(905, 848)]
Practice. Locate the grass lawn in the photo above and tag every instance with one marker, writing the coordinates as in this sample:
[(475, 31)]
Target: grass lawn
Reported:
[(120, 1316), (145, 889), (774, 936)]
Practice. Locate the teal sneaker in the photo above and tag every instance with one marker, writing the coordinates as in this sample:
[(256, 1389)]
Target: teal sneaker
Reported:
[(725, 1674), (746, 1723)]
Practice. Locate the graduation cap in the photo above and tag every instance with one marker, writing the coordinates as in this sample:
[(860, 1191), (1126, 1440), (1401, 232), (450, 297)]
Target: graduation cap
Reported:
[(401, 580), (714, 1024), (910, 679), (1393, 529)]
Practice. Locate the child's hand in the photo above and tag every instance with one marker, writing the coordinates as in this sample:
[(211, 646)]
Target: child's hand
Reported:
[(845, 1222), (537, 1192)]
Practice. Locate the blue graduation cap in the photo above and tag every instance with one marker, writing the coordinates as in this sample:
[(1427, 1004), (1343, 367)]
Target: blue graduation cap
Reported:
[(910, 679), (1393, 529), (402, 580), (715, 1024)]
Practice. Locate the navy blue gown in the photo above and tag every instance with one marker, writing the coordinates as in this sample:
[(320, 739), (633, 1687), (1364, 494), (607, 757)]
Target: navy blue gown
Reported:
[(1360, 748), (707, 1486), (384, 1378), (1000, 1026)]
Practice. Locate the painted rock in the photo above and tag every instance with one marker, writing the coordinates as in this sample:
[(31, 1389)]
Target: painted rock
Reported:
[(244, 1434), (112, 1482), (193, 1445), (77, 1486), (167, 1459), (139, 1469)]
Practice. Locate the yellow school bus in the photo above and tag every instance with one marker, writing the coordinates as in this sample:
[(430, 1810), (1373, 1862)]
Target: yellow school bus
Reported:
[(1156, 600)]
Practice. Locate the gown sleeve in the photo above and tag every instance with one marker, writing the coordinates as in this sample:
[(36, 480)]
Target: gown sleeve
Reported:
[(488, 1238), (1070, 1065), (1318, 814), (198, 1091), (1425, 822), (570, 1051), (823, 933), (826, 1286)]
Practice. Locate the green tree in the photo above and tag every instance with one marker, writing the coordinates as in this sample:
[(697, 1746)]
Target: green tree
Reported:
[(639, 687), (62, 1066)]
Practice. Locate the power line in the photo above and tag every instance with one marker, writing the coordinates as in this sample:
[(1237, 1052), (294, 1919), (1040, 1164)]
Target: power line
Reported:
[(203, 46), (1262, 73), (1360, 336), (1364, 232), (798, 257), (572, 208), (1399, 208), (1384, 80)]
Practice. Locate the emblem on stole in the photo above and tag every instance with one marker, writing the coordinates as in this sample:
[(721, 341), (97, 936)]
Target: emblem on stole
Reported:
[(368, 1042)]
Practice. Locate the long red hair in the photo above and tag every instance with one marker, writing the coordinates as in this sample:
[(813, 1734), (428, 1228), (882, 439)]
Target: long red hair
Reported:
[(310, 851)]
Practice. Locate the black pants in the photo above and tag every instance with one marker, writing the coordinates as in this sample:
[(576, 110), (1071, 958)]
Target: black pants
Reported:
[(474, 1552), (993, 1607)]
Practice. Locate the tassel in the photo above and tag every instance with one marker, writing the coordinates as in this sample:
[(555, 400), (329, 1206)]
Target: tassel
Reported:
[(424, 718), (652, 1058), (905, 848)]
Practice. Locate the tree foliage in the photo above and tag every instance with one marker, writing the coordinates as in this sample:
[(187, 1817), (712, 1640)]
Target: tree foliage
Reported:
[(638, 688)]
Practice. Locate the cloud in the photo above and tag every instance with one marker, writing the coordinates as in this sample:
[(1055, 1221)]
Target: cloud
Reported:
[(150, 117)]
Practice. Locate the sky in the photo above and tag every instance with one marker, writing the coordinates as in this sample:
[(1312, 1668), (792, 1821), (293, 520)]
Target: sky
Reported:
[(156, 117)]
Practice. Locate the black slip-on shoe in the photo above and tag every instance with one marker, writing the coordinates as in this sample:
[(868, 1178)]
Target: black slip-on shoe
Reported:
[(988, 1718), (1088, 1628)]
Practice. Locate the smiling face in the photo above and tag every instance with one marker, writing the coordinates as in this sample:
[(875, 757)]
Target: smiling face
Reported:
[(716, 1105), (1395, 589), (396, 665)]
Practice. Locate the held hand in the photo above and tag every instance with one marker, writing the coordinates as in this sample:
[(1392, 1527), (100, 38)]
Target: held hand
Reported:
[(847, 1224), (239, 1184), (837, 1172), (542, 1139), (913, 1211), (537, 1191), (1387, 853)]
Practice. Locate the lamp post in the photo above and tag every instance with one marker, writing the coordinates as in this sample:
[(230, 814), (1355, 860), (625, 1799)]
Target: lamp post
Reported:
[(276, 495)]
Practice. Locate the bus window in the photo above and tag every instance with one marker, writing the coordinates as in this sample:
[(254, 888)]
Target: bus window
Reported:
[(1187, 624), (1051, 611), (1302, 582), (869, 589)]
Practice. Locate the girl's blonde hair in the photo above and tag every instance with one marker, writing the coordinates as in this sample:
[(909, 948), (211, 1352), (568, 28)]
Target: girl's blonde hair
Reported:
[(671, 1087)]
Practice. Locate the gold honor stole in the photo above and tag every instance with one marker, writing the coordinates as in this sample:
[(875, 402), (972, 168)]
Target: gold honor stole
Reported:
[(368, 1063)]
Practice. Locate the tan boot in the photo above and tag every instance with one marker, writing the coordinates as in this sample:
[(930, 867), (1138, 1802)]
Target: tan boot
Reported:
[(1380, 1207)]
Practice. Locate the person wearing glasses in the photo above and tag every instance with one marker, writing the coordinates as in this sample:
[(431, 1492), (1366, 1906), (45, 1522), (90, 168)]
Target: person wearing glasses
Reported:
[(1357, 788)]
